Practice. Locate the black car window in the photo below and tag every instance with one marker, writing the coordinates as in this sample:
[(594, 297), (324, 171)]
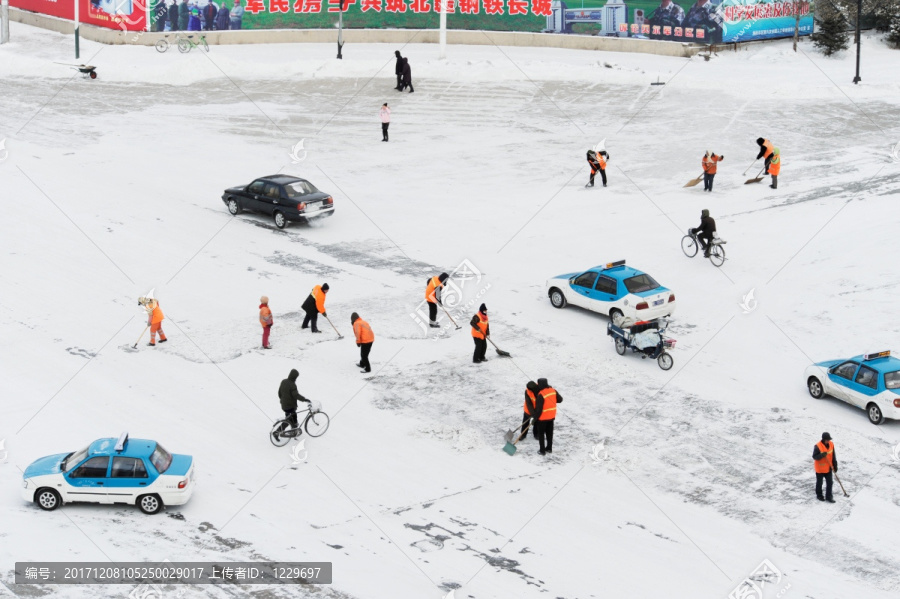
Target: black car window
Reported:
[(161, 459), (892, 379), (607, 285), (867, 377), (272, 190), (640, 283), (586, 280), (845, 370), (93, 468), (257, 187), (128, 468)]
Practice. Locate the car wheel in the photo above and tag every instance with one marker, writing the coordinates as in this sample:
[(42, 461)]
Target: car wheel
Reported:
[(47, 499), (815, 387), (557, 298), (234, 207), (280, 221), (874, 412), (620, 347), (665, 360), (616, 317), (149, 504)]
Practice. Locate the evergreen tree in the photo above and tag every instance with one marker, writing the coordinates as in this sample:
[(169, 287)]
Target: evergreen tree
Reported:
[(831, 34), (893, 36)]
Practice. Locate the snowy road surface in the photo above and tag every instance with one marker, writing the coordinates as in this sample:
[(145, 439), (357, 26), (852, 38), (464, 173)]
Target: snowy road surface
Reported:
[(675, 484)]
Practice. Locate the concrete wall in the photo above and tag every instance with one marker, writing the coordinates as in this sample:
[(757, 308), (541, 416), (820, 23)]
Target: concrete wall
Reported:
[(372, 36)]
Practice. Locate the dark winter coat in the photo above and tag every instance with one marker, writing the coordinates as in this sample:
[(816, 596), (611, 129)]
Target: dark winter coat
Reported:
[(539, 401), (309, 305), (223, 18), (407, 72), (209, 15), (398, 68), (818, 455), (184, 14), (173, 17), (288, 393), (707, 226)]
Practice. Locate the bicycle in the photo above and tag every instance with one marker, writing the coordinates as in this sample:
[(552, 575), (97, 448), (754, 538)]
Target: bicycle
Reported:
[(185, 43), (690, 245), (316, 423)]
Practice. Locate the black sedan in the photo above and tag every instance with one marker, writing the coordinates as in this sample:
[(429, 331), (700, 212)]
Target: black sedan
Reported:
[(282, 197)]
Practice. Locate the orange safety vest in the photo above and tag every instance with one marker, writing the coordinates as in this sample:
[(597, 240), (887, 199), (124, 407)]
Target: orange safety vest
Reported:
[(363, 331), (824, 466), (709, 164), (480, 332), (549, 397), (602, 160), (775, 163), (767, 145), (156, 316), (529, 395), (433, 284), (319, 296)]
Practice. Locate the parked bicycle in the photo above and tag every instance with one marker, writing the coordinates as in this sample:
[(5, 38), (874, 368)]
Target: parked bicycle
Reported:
[(185, 43), (690, 245), (315, 423)]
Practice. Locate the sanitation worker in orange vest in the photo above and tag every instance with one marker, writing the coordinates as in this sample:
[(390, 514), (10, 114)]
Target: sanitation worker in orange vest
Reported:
[(531, 390), (597, 162), (709, 169), (364, 340), (775, 167), (154, 321), (766, 148), (266, 320), (545, 410), (825, 463), (315, 305), (480, 330), (433, 297)]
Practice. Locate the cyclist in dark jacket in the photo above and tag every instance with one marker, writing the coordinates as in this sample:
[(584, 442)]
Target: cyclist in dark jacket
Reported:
[(289, 396), (705, 231)]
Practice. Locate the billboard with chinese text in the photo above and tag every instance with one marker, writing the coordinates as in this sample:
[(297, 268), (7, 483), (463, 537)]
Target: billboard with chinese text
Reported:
[(128, 15)]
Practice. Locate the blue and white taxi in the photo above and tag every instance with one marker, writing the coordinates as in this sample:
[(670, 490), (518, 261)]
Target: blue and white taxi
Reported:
[(123, 470), (869, 381), (614, 289)]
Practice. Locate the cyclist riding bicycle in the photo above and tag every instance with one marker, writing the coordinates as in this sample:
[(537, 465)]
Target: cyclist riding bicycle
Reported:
[(705, 231), (289, 396)]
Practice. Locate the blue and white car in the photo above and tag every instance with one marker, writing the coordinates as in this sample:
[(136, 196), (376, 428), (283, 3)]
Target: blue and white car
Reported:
[(869, 381), (126, 471), (614, 289)]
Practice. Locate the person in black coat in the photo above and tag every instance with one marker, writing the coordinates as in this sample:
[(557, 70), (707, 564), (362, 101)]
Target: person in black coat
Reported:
[(173, 16), (209, 16), (407, 76), (531, 391), (398, 69), (543, 429), (159, 12), (289, 396), (223, 18), (705, 231)]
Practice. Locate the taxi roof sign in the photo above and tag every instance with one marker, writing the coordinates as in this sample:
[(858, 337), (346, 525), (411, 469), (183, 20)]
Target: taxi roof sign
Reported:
[(123, 439), (875, 356), (614, 264)]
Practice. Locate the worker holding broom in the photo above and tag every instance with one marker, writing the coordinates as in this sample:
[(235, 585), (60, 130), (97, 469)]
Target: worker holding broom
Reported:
[(433, 297), (313, 306), (825, 462), (766, 148), (709, 169), (480, 330), (531, 390), (775, 167), (154, 321), (545, 410)]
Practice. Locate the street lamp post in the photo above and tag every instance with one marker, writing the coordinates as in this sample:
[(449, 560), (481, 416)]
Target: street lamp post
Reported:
[(857, 79), (76, 28), (341, 30)]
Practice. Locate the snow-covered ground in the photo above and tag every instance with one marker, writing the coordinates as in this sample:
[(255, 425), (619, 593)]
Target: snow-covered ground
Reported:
[(661, 484)]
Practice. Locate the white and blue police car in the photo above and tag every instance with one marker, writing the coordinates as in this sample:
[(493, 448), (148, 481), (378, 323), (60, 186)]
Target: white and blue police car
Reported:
[(125, 471), (614, 289), (869, 381)]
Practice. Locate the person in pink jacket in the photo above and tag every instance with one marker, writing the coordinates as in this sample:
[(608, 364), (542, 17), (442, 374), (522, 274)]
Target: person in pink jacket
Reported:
[(385, 121)]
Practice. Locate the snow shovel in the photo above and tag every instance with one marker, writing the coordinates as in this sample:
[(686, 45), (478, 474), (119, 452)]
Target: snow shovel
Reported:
[(693, 182), (510, 448), (757, 179), (451, 318), (840, 483), (333, 327), (500, 352), (141, 337)]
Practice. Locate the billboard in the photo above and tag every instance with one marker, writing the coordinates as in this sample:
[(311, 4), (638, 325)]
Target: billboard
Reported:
[(127, 15), (701, 21)]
